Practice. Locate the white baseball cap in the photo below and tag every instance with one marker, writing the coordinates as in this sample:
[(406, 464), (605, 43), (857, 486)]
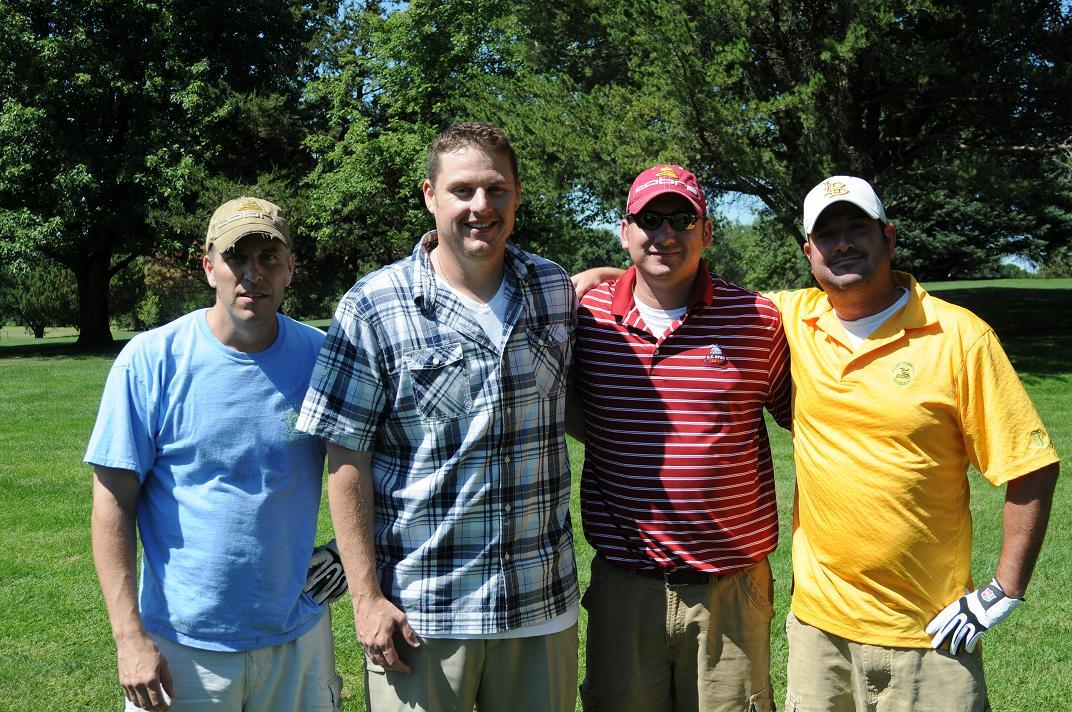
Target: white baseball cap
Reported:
[(838, 189)]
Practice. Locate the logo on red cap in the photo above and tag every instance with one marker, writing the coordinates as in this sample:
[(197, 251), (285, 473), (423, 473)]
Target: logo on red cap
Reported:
[(661, 179)]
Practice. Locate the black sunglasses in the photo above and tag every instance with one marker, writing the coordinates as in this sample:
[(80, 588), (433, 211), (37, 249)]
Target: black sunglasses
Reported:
[(651, 220)]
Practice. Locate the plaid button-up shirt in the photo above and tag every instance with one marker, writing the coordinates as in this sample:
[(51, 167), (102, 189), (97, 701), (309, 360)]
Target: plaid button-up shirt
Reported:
[(469, 465)]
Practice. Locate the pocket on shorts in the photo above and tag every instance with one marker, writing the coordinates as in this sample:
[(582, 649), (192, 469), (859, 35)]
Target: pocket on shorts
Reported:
[(762, 701), (549, 345), (598, 574), (589, 699), (335, 690), (440, 381), (758, 584)]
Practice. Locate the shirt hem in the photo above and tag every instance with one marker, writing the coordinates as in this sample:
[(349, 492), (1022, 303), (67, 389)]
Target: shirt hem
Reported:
[(234, 646)]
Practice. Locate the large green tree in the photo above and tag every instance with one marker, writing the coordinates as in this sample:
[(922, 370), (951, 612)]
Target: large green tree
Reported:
[(117, 116)]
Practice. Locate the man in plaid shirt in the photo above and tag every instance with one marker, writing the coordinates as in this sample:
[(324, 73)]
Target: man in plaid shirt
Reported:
[(441, 392)]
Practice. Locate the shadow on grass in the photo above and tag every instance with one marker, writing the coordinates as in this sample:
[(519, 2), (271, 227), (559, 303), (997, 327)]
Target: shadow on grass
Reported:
[(61, 350), (1034, 325)]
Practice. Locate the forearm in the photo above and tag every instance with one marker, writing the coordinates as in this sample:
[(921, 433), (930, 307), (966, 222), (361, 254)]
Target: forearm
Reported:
[(114, 550), (574, 416), (352, 504), (1027, 513)]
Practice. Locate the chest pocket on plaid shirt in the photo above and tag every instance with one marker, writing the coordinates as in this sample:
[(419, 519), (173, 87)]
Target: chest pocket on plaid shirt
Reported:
[(440, 381), (550, 348)]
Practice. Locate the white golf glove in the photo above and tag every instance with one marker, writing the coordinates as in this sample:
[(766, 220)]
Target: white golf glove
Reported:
[(326, 580), (971, 615)]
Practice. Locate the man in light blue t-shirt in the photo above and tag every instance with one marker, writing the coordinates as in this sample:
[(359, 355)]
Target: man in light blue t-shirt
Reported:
[(195, 449)]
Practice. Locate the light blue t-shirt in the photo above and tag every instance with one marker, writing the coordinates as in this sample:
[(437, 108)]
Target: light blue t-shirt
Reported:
[(230, 491)]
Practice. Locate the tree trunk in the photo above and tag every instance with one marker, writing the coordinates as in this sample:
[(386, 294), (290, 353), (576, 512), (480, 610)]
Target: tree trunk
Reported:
[(93, 276)]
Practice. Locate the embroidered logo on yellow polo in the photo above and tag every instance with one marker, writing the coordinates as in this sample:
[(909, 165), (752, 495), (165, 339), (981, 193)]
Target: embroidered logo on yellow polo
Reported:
[(1039, 439), (903, 373)]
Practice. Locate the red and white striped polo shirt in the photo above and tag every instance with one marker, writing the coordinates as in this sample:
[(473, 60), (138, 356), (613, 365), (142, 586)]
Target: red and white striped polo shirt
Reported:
[(677, 467)]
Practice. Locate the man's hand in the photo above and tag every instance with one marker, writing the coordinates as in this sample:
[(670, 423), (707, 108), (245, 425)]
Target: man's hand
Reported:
[(377, 621), (144, 674), (326, 580), (963, 621), (583, 282)]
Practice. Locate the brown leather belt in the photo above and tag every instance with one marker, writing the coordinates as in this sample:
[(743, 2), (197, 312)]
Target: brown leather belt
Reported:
[(677, 577)]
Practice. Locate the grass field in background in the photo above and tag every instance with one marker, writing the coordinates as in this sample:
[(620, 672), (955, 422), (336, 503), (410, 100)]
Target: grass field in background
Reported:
[(58, 652)]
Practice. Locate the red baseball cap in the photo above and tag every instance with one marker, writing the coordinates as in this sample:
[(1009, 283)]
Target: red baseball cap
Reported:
[(664, 178)]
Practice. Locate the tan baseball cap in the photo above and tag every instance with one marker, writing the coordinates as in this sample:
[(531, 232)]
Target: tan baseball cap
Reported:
[(243, 216)]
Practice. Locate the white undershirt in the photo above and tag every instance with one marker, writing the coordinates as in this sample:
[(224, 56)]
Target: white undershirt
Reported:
[(860, 329), (555, 625), (657, 320), (490, 316)]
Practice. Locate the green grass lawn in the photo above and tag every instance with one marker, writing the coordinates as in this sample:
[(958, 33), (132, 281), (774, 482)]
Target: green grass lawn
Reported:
[(58, 652)]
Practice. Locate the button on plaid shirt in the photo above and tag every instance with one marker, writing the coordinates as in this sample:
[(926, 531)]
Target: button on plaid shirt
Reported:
[(469, 464)]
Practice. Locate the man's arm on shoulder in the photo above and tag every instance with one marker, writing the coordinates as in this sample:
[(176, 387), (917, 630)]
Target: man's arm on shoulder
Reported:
[(1027, 514), (350, 496), (584, 282), (780, 398), (143, 670)]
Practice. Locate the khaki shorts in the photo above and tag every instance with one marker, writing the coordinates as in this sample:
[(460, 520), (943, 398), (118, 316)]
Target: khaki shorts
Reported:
[(830, 673), (654, 648), (297, 675), (533, 674)]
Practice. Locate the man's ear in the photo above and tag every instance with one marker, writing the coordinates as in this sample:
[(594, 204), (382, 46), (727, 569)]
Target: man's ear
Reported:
[(621, 234), (292, 261), (206, 263), (806, 247), (429, 196), (891, 236)]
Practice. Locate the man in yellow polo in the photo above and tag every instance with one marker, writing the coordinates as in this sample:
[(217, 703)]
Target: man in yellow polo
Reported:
[(896, 392)]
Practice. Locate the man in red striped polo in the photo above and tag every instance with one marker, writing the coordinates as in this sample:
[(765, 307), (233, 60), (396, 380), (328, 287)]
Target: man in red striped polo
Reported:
[(674, 367)]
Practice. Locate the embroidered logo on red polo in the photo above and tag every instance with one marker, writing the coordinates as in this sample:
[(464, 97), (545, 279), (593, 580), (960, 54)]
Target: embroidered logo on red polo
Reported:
[(715, 357)]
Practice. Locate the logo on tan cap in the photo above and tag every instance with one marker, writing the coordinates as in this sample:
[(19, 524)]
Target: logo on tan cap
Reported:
[(245, 216)]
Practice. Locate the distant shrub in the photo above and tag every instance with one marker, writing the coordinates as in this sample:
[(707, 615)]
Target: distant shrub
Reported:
[(38, 295)]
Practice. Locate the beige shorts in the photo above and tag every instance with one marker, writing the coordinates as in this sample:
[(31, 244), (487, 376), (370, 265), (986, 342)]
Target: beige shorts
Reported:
[(830, 673), (654, 648), (297, 675), (533, 674)]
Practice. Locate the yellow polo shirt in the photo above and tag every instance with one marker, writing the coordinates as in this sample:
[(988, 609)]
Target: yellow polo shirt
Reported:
[(882, 436)]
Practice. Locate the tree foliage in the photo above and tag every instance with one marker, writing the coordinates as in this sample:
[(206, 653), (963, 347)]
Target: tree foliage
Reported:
[(115, 112), (123, 123), (946, 107), (38, 296)]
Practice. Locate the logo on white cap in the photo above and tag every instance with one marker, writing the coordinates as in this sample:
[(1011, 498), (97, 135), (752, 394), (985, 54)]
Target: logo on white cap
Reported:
[(834, 189)]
